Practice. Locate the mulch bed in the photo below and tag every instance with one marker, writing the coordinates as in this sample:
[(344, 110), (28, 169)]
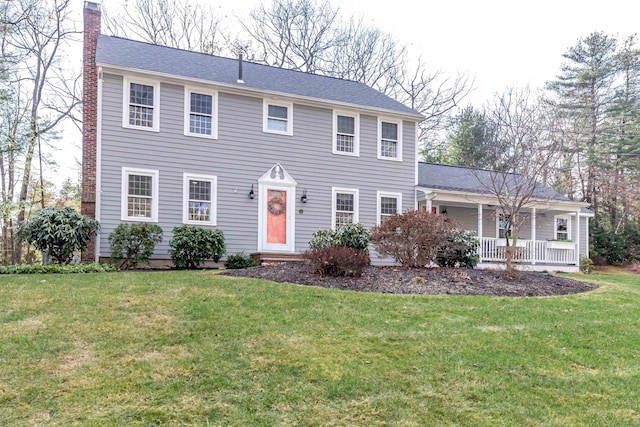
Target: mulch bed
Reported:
[(431, 281)]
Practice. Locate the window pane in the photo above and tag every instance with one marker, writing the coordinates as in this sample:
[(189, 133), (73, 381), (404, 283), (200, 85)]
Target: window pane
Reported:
[(346, 125), (389, 131), (276, 124), (344, 143), (139, 207), (200, 124), (344, 202), (388, 148), (140, 185), (199, 190), (140, 94), (199, 211), (278, 112), (140, 116), (201, 103), (343, 218), (388, 205)]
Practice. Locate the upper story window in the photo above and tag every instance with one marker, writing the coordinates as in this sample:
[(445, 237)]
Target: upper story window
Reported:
[(390, 139), (345, 206), (199, 199), (201, 113), (277, 117), (346, 134), (562, 227), (388, 204), (139, 195), (141, 104)]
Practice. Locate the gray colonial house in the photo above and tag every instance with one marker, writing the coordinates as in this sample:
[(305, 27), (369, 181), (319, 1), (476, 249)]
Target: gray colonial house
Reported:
[(267, 155)]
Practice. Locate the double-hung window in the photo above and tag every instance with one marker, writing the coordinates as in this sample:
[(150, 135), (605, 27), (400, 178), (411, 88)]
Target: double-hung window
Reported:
[(277, 117), (562, 227), (390, 139), (141, 104), (504, 225), (139, 195), (346, 134), (199, 193), (388, 204), (345, 206), (201, 111)]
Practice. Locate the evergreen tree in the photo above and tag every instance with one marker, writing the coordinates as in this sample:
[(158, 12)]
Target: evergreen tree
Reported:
[(469, 135)]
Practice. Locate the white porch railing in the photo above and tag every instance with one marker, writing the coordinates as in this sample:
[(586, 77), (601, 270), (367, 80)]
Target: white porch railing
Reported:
[(528, 251)]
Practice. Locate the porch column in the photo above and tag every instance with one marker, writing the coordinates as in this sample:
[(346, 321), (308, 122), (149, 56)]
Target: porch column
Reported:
[(577, 239), (533, 236), (480, 230)]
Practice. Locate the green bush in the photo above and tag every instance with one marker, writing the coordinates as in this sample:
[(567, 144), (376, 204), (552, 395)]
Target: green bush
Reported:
[(132, 244), (337, 261), (54, 268), (354, 236), (412, 238), (192, 245), (586, 265), (239, 260), (459, 250), (58, 232)]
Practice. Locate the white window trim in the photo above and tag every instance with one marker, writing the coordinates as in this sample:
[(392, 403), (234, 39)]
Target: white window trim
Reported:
[(498, 213), (265, 116), (186, 177), (380, 195), (356, 204), (188, 90), (124, 213), (356, 137), (555, 226), (398, 158), (126, 87)]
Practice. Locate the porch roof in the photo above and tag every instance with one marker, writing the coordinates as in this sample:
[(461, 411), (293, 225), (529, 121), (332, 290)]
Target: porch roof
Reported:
[(458, 179)]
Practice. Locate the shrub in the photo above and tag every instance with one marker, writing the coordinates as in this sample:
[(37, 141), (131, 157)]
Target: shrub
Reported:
[(132, 244), (239, 260), (586, 265), (54, 268), (58, 232), (192, 245), (337, 261), (355, 236), (460, 250), (412, 238)]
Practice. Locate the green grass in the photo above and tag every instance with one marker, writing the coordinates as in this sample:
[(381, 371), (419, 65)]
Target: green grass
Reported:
[(194, 348)]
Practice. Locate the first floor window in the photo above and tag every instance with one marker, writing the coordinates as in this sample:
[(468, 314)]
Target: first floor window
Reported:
[(504, 225), (562, 227), (345, 207), (139, 195), (140, 105), (199, 199), (388, 204)]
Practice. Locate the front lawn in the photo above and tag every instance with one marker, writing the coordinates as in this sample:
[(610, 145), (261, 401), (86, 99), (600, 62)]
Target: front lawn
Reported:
[(195, 348)]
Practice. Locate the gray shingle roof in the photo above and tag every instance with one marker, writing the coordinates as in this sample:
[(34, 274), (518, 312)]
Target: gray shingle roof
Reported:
[(133, 54), (456, 178)]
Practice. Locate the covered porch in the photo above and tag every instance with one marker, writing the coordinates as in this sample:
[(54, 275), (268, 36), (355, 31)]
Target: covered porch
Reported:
[(552, 234)]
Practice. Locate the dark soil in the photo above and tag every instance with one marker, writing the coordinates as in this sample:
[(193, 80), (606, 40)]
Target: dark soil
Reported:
[(432, 281)]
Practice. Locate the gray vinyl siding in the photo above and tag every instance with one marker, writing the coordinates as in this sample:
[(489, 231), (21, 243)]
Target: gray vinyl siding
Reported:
[(238, 158)]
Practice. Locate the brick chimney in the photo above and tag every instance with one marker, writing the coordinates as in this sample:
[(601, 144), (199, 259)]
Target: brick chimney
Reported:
[(92, 17)]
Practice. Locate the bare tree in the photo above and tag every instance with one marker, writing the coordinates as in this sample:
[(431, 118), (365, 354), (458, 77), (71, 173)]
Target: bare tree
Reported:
[(521, 153), (43, 96), (175, 23)]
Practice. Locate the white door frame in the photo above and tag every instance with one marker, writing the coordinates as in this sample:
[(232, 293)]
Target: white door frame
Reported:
[(276, 179)]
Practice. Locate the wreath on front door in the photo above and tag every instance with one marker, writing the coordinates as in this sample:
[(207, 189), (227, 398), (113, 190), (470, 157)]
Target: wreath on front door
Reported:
[(276, 206)]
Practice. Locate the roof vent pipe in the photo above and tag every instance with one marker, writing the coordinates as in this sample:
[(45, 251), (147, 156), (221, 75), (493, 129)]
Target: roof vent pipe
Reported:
[(240, 69)]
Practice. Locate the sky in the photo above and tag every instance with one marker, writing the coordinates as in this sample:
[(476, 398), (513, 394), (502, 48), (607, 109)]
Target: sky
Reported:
[(498, 43)]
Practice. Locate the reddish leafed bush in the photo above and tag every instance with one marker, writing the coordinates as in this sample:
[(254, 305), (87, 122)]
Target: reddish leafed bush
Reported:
[(337, 261), (412, 238)]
